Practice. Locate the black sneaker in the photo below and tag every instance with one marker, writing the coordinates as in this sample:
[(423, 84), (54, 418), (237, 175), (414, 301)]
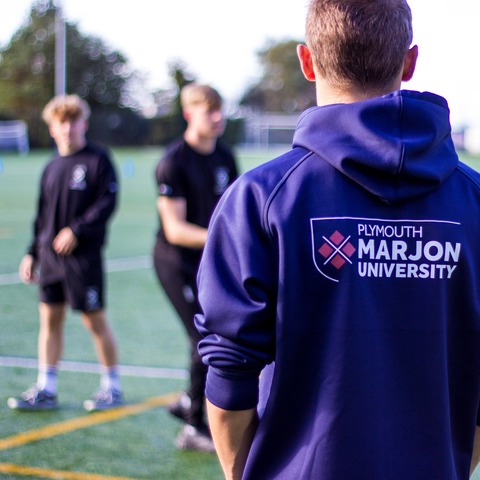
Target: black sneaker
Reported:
[(104, 400), (191, 438), (34, 400), (181, 408)]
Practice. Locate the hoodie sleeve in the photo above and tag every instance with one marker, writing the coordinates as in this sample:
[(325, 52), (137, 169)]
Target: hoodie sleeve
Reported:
[(237, 292), (39, 220)]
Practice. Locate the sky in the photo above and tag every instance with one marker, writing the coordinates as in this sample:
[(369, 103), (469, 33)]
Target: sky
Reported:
[(218, 41)]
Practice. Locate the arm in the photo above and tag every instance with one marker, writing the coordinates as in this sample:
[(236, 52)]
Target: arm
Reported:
[(37, 228), (26, 270), (232, 433), (104, 200), (237, 292), (65, 242), (173, 213), (476, 451)]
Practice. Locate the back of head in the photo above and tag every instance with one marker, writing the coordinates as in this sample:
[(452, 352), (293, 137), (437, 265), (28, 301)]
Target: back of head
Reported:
[(359, 43), (194, 94), (65, 107)]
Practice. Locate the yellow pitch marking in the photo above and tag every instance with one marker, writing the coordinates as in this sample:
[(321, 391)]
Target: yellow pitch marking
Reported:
[(84, 422), (54, 474), (6, 232)]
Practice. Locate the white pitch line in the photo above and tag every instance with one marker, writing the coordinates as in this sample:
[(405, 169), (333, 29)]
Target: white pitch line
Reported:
[(86, 367), (9, 279), (132, 263), (113, 265)]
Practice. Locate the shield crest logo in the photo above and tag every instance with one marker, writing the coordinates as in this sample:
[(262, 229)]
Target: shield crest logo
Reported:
[(332, 247)]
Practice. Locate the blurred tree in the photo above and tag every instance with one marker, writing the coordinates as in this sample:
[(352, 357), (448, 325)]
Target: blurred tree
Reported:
[(282, 86), (171, 124), (94, 71), (181, 77)]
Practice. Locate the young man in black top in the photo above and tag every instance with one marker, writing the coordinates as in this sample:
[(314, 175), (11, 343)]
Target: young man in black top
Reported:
[(191, 177), (78, 192)]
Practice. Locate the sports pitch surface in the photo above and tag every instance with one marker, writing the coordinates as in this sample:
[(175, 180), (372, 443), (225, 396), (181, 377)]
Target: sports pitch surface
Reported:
[(132, 442)]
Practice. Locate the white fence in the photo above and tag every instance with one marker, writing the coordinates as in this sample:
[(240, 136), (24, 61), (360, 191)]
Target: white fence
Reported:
[(270, 129), (14, 136)]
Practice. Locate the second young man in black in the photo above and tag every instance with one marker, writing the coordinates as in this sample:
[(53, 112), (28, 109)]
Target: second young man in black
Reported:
[(191, 177)]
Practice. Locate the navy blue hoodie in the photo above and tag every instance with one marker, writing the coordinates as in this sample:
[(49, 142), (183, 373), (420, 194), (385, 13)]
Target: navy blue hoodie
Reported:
[(346, 275)]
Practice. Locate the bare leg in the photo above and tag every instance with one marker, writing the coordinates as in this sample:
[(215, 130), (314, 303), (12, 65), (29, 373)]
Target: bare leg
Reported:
[(103, 338), (43, 395), (50, 336), (109, 395)]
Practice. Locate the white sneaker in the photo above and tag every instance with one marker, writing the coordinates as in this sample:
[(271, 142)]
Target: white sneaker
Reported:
[(104, 400), (190, 438)]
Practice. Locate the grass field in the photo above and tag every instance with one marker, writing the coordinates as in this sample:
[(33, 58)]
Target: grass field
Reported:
[(135, 442), (70, 444)]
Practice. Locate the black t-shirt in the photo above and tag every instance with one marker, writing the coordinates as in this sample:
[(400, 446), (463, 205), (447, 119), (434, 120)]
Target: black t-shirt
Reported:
[(200, 180)]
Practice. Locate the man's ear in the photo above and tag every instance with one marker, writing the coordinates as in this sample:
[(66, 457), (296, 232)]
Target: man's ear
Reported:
[(409, 63), (306, 62)]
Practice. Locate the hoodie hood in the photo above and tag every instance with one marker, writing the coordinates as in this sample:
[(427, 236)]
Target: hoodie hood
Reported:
[(397, 147)]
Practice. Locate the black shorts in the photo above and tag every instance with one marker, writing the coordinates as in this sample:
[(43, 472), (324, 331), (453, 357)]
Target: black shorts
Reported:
[(80, 283)]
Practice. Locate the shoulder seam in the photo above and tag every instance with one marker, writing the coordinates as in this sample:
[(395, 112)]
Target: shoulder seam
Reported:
[(464, 169), (279, 185)]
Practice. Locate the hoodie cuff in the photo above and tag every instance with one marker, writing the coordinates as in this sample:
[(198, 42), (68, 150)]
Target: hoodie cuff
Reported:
[(231, 392), (32, 252), (76, 228)]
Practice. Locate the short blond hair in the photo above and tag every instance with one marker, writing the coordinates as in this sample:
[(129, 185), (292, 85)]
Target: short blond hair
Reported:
[(194, 93), (359, 43), (64, 107)]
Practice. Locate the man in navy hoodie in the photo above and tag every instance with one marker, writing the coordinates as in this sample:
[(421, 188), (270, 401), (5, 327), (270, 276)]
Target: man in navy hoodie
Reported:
[(340, 282)]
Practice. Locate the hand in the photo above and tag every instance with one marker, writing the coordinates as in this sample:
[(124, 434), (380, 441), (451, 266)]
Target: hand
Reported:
[(65, 242), (26, 270)]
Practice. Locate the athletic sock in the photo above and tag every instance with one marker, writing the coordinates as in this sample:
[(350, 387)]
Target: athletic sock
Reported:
[(48, 378), (110, 378)]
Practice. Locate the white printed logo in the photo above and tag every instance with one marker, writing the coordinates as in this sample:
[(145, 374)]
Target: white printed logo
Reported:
[(221, 180), (377, 248), (92, 299), (77, 182)]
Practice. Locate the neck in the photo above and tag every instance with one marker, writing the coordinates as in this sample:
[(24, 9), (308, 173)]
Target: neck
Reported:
[(201, 144), (66, 150), (328, 94)]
